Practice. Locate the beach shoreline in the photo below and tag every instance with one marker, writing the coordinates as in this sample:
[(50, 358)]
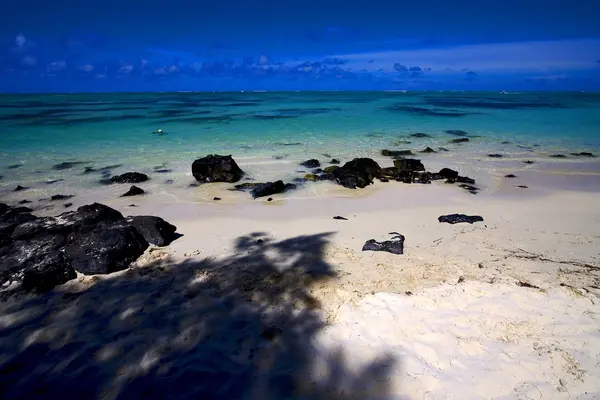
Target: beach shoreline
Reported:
[(274, 297)]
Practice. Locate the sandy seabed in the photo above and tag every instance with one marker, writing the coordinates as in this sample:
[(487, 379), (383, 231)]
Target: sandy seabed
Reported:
[(273, 300)]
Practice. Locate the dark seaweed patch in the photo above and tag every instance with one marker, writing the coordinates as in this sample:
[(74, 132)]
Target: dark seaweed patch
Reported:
[(468, 102), (456, 132), (428, 112)]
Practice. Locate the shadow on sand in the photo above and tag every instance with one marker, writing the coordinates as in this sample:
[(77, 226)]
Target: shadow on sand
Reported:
[(242, 327)]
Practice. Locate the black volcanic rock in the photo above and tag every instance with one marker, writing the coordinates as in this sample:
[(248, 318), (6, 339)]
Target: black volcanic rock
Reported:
[(312, 163), (495, 155), (67, 165), (396, 153), (428, 150), (20, 188), (460, 218), (267, 189), (133, 191), (448, 173), (465, 179), (357, 173), (155, 230), (334, 161), (40, 253), (529, 162), (558, 156), (459, 140), (510, 176), (394, 246), (58, 197), (583, 154), (130, 177), (409, 164), (216, 168), (107, 248)]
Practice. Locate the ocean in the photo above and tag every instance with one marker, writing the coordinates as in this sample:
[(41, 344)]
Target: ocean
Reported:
[(268, 133)]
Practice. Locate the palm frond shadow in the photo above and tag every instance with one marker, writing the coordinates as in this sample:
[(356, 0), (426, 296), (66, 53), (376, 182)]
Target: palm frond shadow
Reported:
[(240, 327)]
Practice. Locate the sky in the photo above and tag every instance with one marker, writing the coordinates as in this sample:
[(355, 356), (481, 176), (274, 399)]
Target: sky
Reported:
[(175, 45)]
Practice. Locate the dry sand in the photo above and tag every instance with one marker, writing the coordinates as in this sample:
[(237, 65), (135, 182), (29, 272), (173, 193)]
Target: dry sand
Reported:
[(267, 299)]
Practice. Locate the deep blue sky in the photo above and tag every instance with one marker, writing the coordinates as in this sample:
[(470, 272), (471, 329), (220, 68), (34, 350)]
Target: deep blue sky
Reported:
[(156, 45)]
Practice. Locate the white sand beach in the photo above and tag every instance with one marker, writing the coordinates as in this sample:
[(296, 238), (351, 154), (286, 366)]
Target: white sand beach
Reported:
[(262, 299)]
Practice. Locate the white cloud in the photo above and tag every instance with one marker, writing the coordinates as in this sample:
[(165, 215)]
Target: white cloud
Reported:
[(166, 70), (518, 56), (263, 60), (86, 68), (56, 66), (20, 40), (126, 69), (29, 61)]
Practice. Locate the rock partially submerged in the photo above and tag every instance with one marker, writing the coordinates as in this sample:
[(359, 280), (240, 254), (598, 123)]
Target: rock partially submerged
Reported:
[(312, 163), (216, 168), (40, 253), (396, 153), (59, 197), (394, 246), (130, 177), (428, 150), (133, 191), (420, 135), (357, 173), (334, 161), (460, 218), (583, 154), (267, 189), (459, 140), (495, 155)]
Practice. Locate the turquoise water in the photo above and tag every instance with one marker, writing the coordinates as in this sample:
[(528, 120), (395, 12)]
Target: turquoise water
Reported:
[(38, 131)]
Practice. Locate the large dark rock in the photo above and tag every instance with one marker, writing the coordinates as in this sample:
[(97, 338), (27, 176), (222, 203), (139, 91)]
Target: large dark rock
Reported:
[(428, 150), (133, 191), (155, 230), (36, 261), (88, 216), (40, 253), (11, 218), (107, 248), (357, 173), (216, 168), (394, 246), (130, 177), (267, 189), (312, 163), (47, 271), (448, 173), (460, 218), (409, 164)]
